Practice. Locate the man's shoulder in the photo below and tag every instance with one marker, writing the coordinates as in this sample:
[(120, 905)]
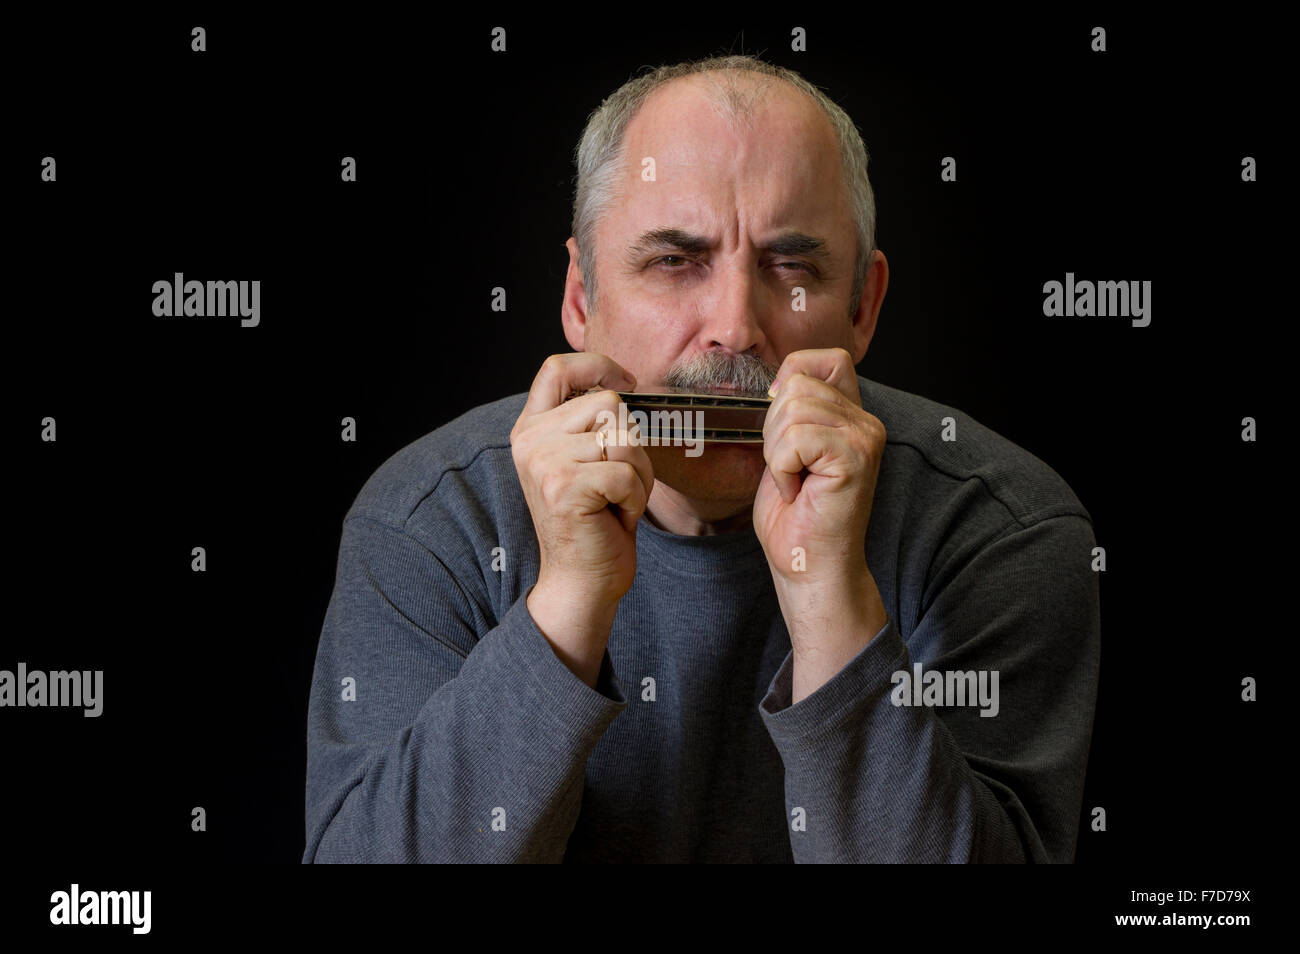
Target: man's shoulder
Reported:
[(477, 441), (942, 445)]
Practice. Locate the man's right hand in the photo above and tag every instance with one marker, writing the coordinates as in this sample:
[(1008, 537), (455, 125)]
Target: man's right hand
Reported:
[(584, 509)]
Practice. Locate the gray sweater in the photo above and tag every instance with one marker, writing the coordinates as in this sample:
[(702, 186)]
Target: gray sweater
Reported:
[(442, 726)]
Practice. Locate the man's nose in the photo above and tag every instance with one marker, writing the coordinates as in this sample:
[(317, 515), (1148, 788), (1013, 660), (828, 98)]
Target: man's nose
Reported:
[(732, 318)]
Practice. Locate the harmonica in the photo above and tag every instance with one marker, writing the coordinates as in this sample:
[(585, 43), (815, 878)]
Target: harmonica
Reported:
[(719, 417)]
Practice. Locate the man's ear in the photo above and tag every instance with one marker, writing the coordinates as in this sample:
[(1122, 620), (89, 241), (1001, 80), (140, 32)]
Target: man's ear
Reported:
[(573, 308), (873, 294)]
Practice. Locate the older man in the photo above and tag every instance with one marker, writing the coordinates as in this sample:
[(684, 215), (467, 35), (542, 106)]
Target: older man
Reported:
[(550, 641)]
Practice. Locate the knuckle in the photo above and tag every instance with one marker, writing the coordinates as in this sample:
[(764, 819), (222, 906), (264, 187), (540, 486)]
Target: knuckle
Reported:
[(626, 480), (799, 384), (545, 374), (802, 404), (875, 429), (552, 483)]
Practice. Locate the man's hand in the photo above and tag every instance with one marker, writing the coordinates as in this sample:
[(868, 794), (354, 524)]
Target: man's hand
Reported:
[(812, 510), (584, 508)]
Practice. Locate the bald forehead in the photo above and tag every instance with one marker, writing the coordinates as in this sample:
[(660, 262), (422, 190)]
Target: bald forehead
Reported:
[(736, 100), (786, 152)]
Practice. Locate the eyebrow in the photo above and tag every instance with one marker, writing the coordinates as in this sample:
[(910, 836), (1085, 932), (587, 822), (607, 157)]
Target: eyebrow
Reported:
[(789, 242)]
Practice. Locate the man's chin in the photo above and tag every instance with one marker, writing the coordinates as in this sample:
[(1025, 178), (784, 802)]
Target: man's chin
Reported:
[(720, 472)]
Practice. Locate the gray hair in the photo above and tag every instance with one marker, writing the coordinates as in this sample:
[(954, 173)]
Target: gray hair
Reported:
[(599, 155)]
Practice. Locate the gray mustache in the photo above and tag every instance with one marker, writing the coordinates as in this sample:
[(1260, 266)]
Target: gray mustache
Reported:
[(749, 373)]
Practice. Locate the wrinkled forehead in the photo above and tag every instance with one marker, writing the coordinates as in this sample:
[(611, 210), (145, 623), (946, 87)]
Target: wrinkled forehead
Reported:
[(780, 163)]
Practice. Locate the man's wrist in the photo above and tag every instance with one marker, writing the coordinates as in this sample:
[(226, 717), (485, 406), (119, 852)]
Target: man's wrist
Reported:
[(578, 633), (831, 595), (830, 622)]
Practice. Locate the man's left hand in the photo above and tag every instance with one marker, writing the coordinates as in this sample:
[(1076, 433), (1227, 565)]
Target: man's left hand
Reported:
[(813, 507)]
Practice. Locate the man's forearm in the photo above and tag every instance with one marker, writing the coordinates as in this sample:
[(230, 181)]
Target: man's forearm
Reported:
[(829, 624)]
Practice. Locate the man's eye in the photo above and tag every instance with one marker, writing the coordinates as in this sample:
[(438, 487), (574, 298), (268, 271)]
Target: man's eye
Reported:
[(668, 260)]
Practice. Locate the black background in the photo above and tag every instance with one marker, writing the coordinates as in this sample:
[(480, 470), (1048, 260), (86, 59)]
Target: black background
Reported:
[(175, 433)]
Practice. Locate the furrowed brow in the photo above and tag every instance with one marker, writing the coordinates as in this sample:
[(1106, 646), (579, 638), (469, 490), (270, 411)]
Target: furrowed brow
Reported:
[(659, 240), (671, 239), (797, 243)]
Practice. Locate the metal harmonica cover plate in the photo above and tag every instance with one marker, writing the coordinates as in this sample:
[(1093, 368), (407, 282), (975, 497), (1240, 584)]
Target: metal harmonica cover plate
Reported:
[(718, 416), (722, 417)]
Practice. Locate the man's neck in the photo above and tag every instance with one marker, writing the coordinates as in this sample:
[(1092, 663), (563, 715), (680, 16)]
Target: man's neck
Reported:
[(676, 513)]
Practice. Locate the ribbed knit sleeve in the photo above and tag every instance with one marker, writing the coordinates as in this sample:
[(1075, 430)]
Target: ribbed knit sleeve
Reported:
[(429, 740), (879, 781)]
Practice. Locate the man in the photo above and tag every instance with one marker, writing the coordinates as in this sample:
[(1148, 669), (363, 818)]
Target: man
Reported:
[(550, 640)]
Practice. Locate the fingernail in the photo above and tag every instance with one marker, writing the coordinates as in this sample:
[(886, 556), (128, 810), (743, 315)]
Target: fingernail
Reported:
[(771, 392)]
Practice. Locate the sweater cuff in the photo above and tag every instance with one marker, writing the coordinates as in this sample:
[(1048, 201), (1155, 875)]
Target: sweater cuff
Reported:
[(858, 685), (580, 707)]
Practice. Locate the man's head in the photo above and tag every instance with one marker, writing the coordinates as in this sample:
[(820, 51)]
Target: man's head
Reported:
[(690, 278)]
